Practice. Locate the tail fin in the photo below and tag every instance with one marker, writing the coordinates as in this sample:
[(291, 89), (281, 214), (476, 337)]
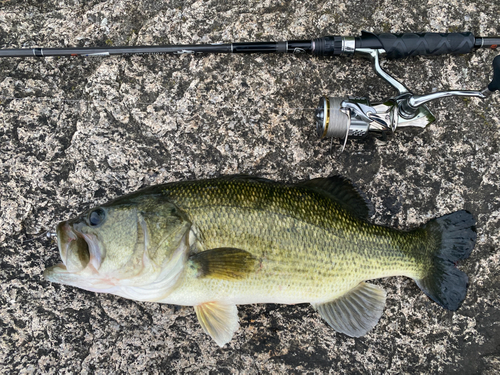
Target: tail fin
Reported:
[(453, 236)]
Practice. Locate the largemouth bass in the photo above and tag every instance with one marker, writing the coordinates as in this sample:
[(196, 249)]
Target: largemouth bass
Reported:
[(214, 244)]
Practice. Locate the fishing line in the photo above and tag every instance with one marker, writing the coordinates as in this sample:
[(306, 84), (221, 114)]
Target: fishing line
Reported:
[(47, 234), (137, 104)]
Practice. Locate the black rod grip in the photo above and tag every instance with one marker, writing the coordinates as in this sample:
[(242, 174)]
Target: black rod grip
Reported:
[(399, 46), (495, 82)]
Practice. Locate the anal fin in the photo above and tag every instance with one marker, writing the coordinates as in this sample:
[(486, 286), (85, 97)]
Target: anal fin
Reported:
[(218, 320), (356, 312)]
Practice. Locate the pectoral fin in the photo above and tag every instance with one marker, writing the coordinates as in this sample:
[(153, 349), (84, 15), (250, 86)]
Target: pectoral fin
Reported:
[(223, 263), (356, 312), (218, 320)]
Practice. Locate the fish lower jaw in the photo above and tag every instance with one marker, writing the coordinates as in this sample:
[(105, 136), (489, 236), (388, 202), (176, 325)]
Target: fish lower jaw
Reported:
[(58, 268)]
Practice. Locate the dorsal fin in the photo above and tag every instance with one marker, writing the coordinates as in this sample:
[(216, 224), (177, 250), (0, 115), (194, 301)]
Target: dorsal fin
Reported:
[(245, 177), (344, 192)]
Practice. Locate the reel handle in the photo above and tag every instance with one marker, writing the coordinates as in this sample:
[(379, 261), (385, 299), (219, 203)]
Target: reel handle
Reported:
[(495, 82)]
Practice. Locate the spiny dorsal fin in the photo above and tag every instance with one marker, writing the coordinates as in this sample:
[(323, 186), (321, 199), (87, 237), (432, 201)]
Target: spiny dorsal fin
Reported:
[(343, 192), (356, 312), (223, 263), (245, 177), (218, 320)]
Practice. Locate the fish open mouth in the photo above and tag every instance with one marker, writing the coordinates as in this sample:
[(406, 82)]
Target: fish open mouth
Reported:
[(77, 250)]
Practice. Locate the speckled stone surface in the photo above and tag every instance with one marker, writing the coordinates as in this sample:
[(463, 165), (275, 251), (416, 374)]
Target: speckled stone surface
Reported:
[(77, 132)]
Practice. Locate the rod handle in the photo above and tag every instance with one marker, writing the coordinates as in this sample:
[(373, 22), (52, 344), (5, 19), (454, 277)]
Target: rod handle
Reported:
[(495, 82), (399, 46)]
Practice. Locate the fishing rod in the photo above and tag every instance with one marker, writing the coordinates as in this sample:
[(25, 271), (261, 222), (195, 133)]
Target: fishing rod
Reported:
[(336, 116)]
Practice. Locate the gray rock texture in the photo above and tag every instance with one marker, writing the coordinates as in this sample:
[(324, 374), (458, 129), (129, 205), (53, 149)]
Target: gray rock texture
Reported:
[(77, 132)]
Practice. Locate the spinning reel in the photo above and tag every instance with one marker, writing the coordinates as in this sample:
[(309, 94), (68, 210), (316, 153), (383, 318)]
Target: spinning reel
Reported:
[(355, 117)]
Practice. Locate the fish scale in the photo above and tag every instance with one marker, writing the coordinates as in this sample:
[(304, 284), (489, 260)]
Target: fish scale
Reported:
[(309, 249)]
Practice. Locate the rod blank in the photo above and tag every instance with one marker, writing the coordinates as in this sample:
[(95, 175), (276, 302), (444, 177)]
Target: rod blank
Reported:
[(252, 47)]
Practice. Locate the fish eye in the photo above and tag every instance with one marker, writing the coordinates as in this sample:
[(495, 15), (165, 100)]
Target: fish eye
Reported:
[(96, 217)]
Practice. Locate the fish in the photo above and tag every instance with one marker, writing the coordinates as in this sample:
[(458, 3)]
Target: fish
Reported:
[(217, 243)]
